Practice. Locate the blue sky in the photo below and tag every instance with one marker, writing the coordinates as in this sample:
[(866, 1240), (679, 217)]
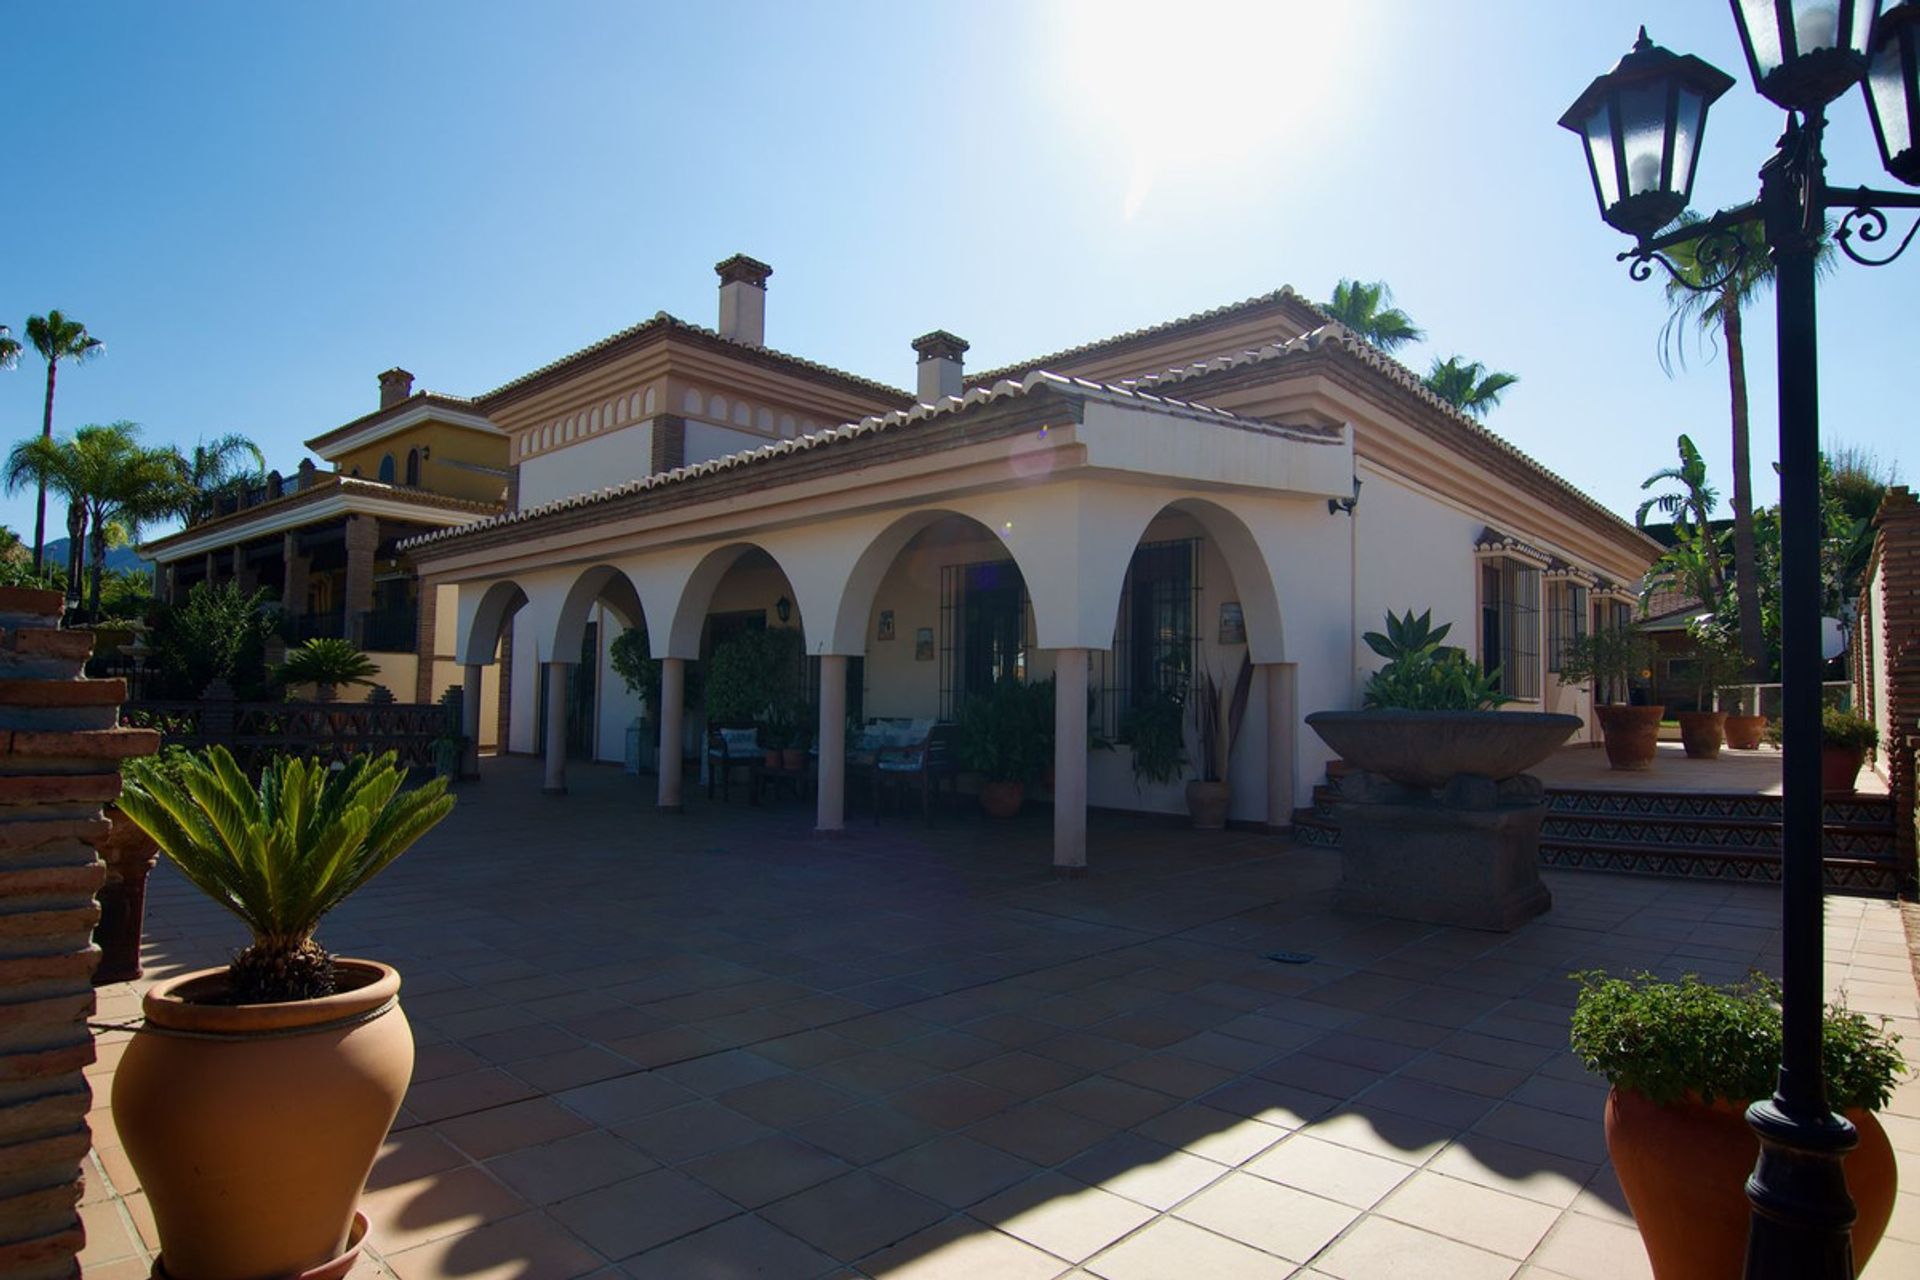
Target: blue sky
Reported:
[(259, 207)]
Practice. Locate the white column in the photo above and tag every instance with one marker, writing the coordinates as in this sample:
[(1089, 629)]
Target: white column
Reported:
[(1281, 713), (831, 801), (1070, 761), (673, 688), (556, 779), (470, 698)]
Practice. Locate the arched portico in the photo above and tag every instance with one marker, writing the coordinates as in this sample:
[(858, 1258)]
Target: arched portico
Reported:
[(485, 618), (601, 584)]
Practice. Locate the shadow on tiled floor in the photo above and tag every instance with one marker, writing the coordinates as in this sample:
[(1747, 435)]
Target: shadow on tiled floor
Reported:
[(715, 1046)]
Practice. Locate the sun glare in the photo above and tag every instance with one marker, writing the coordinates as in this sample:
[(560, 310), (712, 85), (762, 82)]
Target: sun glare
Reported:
[(1207, 89)]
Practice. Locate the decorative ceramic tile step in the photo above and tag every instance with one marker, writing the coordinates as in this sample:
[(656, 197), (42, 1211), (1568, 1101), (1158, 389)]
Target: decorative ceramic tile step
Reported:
[(1842, 874)]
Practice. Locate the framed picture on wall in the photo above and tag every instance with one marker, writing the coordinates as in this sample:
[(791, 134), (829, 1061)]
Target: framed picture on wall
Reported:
[(1233, 626), (923, 645), (886, 625)]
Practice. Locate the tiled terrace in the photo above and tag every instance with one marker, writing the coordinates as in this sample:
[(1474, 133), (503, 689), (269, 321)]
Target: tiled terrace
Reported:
[(714, 1046)]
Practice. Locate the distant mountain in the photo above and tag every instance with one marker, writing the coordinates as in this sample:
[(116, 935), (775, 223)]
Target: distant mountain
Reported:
[(118, 558)]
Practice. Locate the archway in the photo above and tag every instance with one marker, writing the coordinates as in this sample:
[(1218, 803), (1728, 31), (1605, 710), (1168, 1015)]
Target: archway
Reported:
[(584, 710), (485, 645)]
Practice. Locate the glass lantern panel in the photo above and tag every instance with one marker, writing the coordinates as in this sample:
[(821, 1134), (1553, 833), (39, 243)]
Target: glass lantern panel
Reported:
[(1862, 15), (1816, 25), (1643, 121), (1887, 90), (1686, 138), (1762, 23), (1600, 152)]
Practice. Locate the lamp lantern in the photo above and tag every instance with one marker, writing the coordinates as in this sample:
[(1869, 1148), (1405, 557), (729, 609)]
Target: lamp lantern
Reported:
[(1641, 124), (1805, 53), (1893, 90)]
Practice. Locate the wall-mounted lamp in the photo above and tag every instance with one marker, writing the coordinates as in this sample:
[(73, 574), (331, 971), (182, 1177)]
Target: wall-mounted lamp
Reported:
[(783, 609), (1345, 504)]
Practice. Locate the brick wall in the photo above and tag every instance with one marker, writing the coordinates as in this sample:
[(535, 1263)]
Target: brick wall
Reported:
[(1886, 658), (59, 762)]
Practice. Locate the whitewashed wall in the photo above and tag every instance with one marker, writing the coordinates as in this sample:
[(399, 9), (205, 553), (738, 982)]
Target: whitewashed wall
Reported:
[(596, 462)]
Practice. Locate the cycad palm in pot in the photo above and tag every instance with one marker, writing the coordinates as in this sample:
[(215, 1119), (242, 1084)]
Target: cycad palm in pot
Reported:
[(254, 1099)]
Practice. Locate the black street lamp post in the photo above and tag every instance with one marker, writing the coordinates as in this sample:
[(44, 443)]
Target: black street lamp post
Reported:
[(1641, 125)]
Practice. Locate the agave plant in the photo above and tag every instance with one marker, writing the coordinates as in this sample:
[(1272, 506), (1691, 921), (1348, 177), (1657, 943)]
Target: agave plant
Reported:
[(283, 854), (326, 663)]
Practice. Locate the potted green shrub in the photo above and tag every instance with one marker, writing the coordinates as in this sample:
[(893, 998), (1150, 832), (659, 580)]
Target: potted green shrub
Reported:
[(1714, 659), (1153, 729), (1611, 659), (1217, 714), (800, 719), (1006, 736), (1685, 1059), (326, 663), (254, 1099), (1845, 740)]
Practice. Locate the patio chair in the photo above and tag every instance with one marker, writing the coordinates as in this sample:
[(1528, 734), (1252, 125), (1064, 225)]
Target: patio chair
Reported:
[(730, 749), (925, 763)]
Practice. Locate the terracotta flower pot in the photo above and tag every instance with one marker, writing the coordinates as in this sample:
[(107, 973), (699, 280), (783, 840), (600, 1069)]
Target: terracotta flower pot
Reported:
[(129, 853), (1744, 732), (792, 758), (1002, 799), (253, 1128), (771, 758), (1840, 768), (1684, 1171), (1632, 734), (1207, 802), (1702, 732)]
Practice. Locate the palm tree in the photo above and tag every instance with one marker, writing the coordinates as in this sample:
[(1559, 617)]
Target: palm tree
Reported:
[(1717, 312), (46, 464), (9, 348), (214, 467), (125, 484), (1467, 385), (56, 338), (1368, 310), (1690, 509)]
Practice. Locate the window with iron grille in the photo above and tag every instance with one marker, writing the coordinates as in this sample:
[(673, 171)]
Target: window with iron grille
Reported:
[(1567, 610), (984, 629), (1510, 625), (1156, 637)]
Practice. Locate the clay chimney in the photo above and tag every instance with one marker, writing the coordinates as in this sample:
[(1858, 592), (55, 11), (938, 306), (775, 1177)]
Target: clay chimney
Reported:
[(396, 384), (743, 299), (940, 366)]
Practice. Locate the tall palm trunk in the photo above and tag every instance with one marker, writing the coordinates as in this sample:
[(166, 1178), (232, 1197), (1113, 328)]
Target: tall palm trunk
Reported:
[(76, 547), (40, 508), (97, 566), (1746, 582)]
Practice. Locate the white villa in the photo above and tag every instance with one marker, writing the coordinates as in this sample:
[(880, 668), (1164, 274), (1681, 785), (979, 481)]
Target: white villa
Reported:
[(1254, 480)]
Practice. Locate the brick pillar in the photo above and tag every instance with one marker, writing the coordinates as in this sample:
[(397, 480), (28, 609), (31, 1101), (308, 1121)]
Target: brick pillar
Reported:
[(293, 596), (1892, 601), (59, 764), (427, 595), (363, 540), (503, 716)]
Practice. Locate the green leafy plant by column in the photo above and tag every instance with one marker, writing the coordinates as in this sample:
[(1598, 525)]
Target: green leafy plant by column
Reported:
[(1006, 733), (1714, 653), (326, 662), (283, 854), (1153, 728), (1610, 658), (751, 672), (1217, 714)]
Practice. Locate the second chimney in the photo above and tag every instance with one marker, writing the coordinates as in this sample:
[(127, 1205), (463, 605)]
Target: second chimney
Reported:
[(396, 384), (743, 299), (940, 366)]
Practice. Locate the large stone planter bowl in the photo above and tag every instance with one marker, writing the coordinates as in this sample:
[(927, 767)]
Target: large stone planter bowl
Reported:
[(1426, 748)]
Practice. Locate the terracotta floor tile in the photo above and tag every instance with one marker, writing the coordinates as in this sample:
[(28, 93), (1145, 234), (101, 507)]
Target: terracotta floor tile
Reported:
[(110, 1235), (962, 1250), (862, 1135), (1272, 1218), (1066, 1218), (610, 1102), (720, 1072), (410, 1155), (1219, 1136), (1327, 1169), (1380, 1249), (956, 1170), (1589, 1249), (951, 1102), (1111, 1102), (769, 1169), (694, 1129), (556, 1171), (522, 1124), (572, 1067), (440, 1204), (1040, 1133), (787, 1101), (467, 1092), (1174, 1250), (641, 1213), (854, 1215), (737, 1249), (1491, 1220), (517, 1249), (1144, 1171), (1501, 1166)]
